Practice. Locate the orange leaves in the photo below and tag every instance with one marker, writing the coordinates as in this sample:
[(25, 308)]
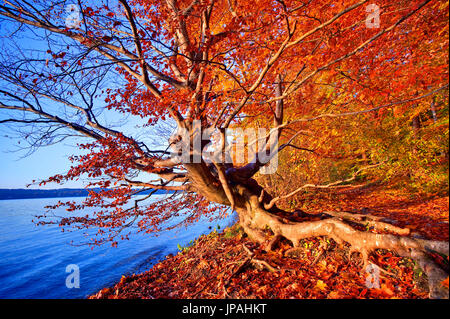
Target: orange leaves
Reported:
[(227, 55), (320, 285), (445, 283), (335, 295), (204, 271), (106, 38)]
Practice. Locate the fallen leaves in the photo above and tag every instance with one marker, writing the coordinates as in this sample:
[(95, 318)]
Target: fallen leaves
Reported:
[(445, 283), (321, 285), (217, 266)]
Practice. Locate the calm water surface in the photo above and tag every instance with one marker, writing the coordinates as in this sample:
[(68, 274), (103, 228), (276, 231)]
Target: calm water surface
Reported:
[(33, 259)]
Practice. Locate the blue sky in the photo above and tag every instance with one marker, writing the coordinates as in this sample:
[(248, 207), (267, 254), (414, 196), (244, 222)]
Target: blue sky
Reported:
[(16, 171)]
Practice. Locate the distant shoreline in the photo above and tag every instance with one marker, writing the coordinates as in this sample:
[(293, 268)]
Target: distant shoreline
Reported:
[(21, 193)]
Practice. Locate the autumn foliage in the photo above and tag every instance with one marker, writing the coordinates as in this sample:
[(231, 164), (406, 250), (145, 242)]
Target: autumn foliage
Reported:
[(355, 93), (219, 266)]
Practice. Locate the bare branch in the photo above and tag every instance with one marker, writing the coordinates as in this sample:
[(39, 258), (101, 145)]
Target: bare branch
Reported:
[(276, 199)]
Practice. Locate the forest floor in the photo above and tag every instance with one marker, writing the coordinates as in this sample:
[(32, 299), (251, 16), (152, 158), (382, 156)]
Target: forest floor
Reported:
[(226, 264)]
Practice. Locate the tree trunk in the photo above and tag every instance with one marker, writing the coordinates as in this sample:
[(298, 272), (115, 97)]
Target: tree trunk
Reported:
[(415, 124), (433, 110)]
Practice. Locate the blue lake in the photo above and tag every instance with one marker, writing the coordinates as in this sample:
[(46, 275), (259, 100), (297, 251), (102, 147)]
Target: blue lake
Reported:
[(33, 259)]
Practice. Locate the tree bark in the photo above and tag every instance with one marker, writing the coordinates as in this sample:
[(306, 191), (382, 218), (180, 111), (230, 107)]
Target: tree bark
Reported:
[(256, 220)]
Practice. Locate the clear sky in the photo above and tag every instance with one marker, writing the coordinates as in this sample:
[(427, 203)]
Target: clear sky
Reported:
[(16, 171)]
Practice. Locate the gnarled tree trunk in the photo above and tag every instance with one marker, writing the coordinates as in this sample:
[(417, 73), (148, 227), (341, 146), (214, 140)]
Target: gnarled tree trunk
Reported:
[(256, 220), (235, 187)]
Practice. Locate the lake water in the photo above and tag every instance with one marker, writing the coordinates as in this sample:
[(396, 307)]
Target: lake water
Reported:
[(33, 259)]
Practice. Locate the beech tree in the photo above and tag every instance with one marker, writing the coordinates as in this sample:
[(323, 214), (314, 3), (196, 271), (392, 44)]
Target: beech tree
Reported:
[(209, 66)]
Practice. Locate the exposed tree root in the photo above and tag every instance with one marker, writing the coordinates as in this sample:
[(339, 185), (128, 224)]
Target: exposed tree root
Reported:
[(255, 220), (224, 283), (321, 252), (271, 245), (258, 262), (371, 222)]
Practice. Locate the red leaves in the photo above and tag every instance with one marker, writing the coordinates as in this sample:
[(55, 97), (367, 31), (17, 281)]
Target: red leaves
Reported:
[(55, 56), (209, 269), (239, 42), (106, 38), (141, 33), (88, 11), (445, 283)]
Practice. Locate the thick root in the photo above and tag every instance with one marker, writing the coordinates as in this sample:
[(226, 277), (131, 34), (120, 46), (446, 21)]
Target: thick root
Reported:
[(371, 222), (360, 241)]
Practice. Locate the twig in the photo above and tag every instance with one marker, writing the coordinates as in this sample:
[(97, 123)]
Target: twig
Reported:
[(258, 261), (333, 184)]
